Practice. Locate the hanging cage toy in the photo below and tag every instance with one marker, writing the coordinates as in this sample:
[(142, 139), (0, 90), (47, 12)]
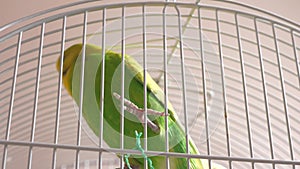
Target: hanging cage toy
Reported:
[(229, 71)]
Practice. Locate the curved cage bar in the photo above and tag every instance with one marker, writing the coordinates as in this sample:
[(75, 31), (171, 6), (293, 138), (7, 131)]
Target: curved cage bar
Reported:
[(232, 76)]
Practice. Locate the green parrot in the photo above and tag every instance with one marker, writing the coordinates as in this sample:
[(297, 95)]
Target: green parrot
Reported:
[(133, 106)]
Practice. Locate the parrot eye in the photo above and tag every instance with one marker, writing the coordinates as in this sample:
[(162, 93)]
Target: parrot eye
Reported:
[(65, 72)]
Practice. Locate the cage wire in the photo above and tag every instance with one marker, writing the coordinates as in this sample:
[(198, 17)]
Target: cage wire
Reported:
[(231, 73)]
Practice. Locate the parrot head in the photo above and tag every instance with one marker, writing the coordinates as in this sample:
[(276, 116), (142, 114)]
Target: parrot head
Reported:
[(70, 57)]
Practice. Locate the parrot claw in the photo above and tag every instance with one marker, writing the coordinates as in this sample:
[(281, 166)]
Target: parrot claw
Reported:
[(139, 113)]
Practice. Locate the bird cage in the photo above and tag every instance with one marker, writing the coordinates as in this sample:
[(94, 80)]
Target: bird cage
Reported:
[(231, 72)]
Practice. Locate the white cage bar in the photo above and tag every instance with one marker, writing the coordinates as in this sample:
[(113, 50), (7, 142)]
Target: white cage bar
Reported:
[(231, 72)]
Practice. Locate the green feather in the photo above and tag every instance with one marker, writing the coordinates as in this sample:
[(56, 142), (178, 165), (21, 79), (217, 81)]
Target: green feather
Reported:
[(134, 91)]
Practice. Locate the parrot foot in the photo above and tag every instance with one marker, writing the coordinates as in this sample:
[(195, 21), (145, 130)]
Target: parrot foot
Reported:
[(139, 113)]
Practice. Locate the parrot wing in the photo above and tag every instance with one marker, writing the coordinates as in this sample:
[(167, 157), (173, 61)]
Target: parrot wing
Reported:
[(152, 86)]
